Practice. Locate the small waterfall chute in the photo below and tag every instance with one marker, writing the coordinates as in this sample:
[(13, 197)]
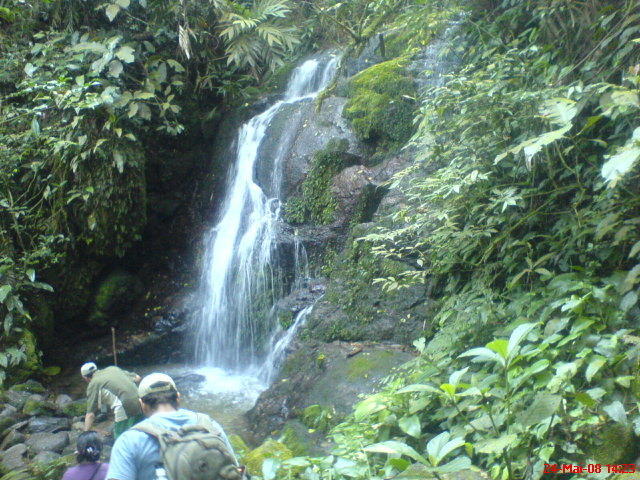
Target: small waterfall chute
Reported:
[(242, 279)]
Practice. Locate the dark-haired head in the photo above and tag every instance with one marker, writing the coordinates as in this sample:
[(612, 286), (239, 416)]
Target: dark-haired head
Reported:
[(89, 447), (153, 400)]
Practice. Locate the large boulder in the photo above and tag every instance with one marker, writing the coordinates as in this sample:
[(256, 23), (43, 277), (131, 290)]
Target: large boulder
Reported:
[(47, 442), (330, 375), (13, 437), (47, 424), (16, 398), (37, 405), (44, 458), (15, 457)]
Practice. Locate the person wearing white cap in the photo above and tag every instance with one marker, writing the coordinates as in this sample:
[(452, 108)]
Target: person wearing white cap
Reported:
[(115, 389), (136, 455)]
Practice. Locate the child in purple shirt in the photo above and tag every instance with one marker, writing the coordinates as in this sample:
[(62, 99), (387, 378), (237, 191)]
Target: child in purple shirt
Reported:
[(88, 450)]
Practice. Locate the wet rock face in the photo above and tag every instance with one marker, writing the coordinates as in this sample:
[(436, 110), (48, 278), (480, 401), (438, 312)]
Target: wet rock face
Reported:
[(306, 130), (331, 375), (48, 442), (15, 457)]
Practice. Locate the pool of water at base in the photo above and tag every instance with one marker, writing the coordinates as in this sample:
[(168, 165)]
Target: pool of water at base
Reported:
[(225, 396)]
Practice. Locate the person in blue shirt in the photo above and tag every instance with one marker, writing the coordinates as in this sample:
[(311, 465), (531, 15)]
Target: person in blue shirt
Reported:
[(135, 454)]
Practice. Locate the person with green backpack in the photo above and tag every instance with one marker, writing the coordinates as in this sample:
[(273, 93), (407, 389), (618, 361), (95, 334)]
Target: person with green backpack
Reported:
[(172, 443)]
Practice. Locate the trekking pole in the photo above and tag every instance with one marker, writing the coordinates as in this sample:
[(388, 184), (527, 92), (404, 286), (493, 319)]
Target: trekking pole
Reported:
[(113, 346)]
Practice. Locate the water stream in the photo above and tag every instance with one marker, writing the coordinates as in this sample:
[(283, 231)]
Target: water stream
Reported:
[(238, 340)]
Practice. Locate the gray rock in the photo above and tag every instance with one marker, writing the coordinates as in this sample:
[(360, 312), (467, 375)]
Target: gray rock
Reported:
[(5, 425), (9, 411), (16, 399), (48, 442), (332, 375), (45, 457), (14, 437), (15, 457), (48, 424), (63, 400)]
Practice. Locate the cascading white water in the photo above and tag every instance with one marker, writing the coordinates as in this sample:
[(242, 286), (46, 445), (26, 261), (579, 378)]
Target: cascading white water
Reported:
[(241, 278)]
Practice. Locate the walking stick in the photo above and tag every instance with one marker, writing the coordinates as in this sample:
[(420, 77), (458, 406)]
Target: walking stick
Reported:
[(113, 346)]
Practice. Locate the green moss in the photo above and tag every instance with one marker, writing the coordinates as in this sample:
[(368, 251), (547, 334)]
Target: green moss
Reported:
[(269, 449), (363, 364), (30, 386), (75, 409), (295, 440), (285, 319), (316, 203), (5, 424), (37, 407), (381, 106), (114, 296)]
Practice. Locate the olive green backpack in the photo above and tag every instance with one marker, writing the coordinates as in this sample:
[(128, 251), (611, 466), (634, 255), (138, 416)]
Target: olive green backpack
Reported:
[(195, 452)]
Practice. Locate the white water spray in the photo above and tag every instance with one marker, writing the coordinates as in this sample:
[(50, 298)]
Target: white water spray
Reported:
[(241, 277)]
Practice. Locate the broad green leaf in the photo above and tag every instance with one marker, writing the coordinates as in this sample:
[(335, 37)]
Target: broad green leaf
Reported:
[(411, 425), (619, 164), (4, 291), (496, 445), (29, 69), (31, 274), (519, 334), (616, 411), (368, 407), (393, 447), (484, 355), (51, 371), (585, 399), (118, 159), (112, 11), (500, 346), (115, 68), (543, 406), (455, 465), (125, 54), (559, 110), (594, 366), (628, 301), (270, 468), (454, 378), (419, 388), (35, 126), (123, 3)]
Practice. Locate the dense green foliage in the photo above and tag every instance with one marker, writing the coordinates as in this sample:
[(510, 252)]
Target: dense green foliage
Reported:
[(522, 217), (89, 91)]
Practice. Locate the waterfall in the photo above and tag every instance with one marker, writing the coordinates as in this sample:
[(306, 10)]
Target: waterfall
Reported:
[(241, 278)]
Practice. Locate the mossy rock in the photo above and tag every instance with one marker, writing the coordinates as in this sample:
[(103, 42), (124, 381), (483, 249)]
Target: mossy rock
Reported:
[(33, 407), (30, 386), (296, 436), (5, 424), (381, 107), (269, 449), (315, 203), (75, 409), (114, 296)]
